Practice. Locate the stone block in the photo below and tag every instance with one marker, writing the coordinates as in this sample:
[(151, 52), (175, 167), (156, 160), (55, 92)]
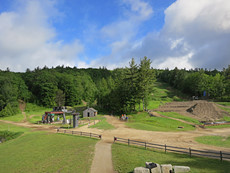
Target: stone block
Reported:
[(150, 165), (157, 169), (180, 169), (141, 170), (166, 168)]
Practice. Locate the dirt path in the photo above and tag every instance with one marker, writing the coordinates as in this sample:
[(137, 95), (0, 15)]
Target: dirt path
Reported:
[(102, 162)]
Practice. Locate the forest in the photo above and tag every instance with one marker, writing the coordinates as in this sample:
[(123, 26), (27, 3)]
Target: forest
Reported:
[(121, 90)]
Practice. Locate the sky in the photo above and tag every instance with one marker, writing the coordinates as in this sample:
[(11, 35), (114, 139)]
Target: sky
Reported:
[(92, 34)]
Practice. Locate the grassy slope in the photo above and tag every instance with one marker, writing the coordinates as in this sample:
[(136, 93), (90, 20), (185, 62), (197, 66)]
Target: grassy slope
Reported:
[(126, 158), (162, 93), (103, 124), (143, 121), (16, 118), (214, 140), (44, 152), (179, 116)]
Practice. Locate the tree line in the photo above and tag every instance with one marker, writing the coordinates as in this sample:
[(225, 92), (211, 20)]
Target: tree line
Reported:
[(111, 90), (211, 84), (121, 90)]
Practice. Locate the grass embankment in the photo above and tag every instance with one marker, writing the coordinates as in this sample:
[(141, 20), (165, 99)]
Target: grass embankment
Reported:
[(143, 121), (103, 124), (179, 116), (36, 111), (214, 140), (45, 152), (162, 93), (224, 103), (8, 135), (16, 118), (126, 158)]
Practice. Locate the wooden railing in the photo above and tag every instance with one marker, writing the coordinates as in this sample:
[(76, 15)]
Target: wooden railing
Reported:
[(191, 152), (91, 135)]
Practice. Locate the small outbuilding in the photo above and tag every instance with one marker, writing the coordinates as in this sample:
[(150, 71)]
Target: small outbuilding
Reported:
[(89, 112)]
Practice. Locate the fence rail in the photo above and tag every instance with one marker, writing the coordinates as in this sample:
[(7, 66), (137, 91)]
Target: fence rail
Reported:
[(191, 152), (91, 135)]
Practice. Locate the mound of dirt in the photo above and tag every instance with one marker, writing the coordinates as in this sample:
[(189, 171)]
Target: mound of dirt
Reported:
[(201, 110)]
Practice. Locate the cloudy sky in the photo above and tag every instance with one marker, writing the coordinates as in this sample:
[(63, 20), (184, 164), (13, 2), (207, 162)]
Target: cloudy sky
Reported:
[(96, 33)]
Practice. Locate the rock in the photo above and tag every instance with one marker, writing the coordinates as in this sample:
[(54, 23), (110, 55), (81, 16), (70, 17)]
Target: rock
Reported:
[(157, 169), (166, 168), (141, 170), (178, 169), (150, 165)]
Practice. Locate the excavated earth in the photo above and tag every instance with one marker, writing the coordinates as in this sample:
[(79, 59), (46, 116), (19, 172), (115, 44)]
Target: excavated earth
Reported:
[(199, 109)]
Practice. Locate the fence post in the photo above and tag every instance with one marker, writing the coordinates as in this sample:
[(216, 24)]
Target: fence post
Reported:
[(72, 132), (145, 145), (90, 135), (81, 133), (221, 156), (128, 141), (57, 130), (165, 148), (190, 152), (64, 131)]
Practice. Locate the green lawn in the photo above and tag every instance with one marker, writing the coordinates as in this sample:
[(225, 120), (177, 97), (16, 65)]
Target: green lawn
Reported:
[(224, 103), (143, 121), (45, 152), (103, 124), (13, 128), (219, 126), (227, 109), (126, 158), (179, 116), (16, 118), (214, 140)]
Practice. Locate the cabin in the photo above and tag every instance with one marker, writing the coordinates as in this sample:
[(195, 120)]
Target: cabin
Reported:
[(90, 112)]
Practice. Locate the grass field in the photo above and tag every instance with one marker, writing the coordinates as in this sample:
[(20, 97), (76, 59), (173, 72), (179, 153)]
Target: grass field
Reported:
[(126, 158), (45, 152), (103, 124), (143, 121), (16, 118), (162, 93), (179, 116), (214, 140), (224, 103)]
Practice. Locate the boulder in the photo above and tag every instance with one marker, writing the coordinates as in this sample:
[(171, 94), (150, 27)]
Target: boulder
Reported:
[(166, 168), (157, 169), (141, 170), (178, 169)]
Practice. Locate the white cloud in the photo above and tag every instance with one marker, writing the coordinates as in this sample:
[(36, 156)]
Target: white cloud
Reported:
[(195, 34), (204, 26), (27, 38)]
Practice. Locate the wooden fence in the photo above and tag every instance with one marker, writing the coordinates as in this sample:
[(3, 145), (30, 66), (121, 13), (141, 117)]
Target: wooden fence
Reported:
[(191, 152), (91, 135)]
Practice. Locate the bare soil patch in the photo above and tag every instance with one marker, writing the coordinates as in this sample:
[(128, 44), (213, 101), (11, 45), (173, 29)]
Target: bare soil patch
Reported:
[(201, 110)]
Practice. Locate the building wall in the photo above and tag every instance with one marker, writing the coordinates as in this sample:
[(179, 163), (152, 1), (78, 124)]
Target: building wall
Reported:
[(91, 113)]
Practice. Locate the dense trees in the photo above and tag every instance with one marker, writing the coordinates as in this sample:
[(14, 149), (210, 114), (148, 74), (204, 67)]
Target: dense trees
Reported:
[(211, 84), (121, 90)]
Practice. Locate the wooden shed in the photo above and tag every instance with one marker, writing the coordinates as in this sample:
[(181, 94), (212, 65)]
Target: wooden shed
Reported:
[(89, 112)]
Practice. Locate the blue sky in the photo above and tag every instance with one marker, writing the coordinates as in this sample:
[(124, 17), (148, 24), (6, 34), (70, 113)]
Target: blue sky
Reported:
[(89, 33)]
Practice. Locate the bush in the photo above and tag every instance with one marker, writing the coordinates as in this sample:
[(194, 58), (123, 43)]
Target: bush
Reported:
[(10, 110)]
